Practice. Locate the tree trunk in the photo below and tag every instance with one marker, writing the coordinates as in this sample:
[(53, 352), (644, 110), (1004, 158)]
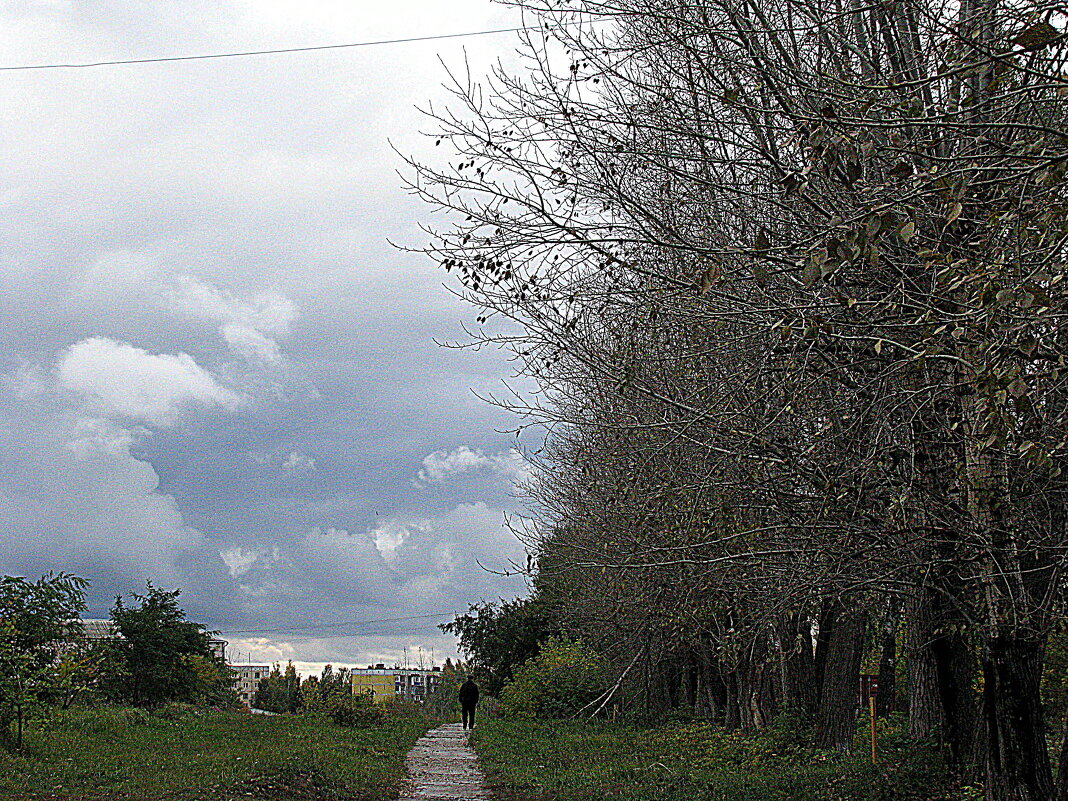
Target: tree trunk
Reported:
[(769, 695), (836, 722), (1017, 762), (827, 618), (926, 716), (688, 684), (799, 670), (714, 690), (884, 699), (732, 716), (956, 678), (942, 703), (750, 676)]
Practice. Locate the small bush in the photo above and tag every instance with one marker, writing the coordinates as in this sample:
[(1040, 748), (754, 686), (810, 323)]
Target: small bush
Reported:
[(355, 711), (557, 683), (98, 719)]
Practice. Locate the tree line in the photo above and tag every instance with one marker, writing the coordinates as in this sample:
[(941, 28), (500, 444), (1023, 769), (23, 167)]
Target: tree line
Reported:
[(155, 655), (783, 282), (282, 691)]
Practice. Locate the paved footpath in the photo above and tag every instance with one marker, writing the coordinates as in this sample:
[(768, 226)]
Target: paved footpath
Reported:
[(443, 767)]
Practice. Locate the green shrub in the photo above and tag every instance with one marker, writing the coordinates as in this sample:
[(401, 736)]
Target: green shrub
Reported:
[(565, 677), (97, 719), (355, 711)]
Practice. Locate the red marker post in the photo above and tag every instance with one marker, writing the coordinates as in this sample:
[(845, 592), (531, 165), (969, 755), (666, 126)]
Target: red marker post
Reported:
[(873, 690)]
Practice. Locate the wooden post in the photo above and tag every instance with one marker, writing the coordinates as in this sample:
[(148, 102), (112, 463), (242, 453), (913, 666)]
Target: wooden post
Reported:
[(871, 708)]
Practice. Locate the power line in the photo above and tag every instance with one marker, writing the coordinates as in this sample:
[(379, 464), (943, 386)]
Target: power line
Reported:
[(244, 53), (316, 626)]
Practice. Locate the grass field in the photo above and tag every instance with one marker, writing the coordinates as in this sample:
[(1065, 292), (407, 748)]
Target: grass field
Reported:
[(575, 761), (132, 755)]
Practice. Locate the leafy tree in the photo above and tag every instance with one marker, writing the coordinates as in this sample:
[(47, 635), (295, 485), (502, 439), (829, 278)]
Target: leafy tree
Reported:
[(215, 682), (499, 637), (318, 693), (564, 678), (444, 701), (77, 673), (160, 656), (280, 692), (34, 620)]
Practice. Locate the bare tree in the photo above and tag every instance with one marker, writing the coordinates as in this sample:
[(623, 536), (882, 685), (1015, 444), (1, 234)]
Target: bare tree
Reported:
[(789, 279)]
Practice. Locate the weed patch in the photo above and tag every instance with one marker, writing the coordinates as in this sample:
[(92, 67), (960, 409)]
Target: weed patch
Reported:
[(575, 761), (185, 754)]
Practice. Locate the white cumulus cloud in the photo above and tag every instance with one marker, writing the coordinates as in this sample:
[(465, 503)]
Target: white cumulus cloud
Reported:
[(441, 466), (240, 561), (388, 537), (75, 497), (251, 328), (297, 462), (122, 380)]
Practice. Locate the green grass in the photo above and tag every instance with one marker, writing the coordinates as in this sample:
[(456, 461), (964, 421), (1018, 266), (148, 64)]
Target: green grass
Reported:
[(132, 755), (575, 761)]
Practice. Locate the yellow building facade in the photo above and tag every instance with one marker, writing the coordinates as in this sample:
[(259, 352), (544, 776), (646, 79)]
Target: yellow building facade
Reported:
[(379, 684)]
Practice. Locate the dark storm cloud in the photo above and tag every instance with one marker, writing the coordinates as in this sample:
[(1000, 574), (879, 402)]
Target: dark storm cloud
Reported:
[(216, 372)]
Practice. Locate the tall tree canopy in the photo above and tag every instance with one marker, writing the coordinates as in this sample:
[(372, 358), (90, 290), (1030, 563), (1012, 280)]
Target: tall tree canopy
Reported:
[(789, 280), (498, 638), (161, 656)]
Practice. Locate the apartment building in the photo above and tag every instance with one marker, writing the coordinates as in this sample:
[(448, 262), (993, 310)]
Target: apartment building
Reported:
[(247, 679), (385, 683), (376, 682)]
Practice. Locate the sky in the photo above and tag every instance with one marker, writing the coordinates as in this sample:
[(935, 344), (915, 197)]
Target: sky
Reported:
[(216, 373)]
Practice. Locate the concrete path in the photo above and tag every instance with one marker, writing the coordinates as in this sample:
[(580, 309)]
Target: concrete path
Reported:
[(443, 767)]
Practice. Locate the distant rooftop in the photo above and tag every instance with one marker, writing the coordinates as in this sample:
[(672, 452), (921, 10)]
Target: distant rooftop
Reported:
[(380, 669), (94, 629)]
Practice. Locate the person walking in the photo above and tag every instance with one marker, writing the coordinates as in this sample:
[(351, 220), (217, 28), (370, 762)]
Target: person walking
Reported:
[(468, 702)]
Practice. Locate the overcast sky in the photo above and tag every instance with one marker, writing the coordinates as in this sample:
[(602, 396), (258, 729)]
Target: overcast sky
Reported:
[(215, 372)]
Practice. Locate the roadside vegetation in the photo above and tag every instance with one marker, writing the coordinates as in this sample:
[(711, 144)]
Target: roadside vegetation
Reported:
[(149, 712), (565, 726), (556, 733), (183, 753), (151, 656), (588, 761)]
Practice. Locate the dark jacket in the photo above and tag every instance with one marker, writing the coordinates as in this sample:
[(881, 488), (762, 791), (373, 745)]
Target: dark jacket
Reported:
[(468, 693)]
